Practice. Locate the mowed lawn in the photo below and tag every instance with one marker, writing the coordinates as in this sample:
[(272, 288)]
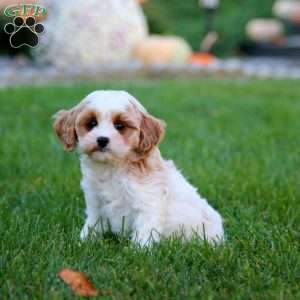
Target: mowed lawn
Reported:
[(238, 141)]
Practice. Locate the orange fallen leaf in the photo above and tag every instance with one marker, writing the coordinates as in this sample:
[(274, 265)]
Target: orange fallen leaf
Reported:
[(78, 282)]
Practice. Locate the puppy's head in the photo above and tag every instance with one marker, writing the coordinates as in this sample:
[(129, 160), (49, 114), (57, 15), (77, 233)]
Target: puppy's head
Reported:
[(109, 126)]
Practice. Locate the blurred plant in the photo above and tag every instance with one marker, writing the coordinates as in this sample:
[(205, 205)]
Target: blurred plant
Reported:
[(185, 19), (157, 21)]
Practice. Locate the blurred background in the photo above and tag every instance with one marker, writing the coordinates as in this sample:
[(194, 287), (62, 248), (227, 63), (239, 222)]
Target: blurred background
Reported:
[(124, 38)]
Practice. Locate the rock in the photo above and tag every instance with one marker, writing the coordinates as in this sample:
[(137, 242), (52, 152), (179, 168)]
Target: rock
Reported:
[(91, 32), (287, 10), (264, 30), (162, 50)]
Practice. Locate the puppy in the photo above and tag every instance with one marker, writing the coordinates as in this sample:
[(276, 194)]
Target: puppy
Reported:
[(127, 185)]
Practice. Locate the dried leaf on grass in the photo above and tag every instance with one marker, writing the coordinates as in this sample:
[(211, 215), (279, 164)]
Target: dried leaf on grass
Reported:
[(78, 282)]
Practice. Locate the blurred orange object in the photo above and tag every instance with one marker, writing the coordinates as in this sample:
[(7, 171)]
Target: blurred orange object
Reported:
[(141, 1), (202, 58)]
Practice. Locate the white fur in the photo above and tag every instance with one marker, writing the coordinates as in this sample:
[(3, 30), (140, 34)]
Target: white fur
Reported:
[(158, 205)]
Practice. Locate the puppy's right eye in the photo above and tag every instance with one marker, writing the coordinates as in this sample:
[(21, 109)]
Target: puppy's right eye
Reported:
[(119, 126), (91, 124)]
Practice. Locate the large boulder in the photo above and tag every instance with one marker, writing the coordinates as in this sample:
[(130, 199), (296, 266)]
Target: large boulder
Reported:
[(264, 30), (288, 10), (91, 32)]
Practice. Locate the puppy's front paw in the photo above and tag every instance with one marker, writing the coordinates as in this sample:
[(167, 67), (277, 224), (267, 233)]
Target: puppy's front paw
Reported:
[(142, 242), (84, 232), (145, 239)]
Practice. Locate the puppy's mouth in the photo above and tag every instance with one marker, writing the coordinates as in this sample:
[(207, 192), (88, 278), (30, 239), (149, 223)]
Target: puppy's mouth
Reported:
[(97, 149), (102, 154), (103, 150)]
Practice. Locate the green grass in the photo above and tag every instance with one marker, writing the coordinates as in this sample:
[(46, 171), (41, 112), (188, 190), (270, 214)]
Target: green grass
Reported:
[(238, 141)]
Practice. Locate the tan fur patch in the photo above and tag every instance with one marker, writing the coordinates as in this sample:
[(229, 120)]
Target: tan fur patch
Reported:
[(151, 133), (84, 118), (145, 165), (131, 126), (64, 126), (144, 159)]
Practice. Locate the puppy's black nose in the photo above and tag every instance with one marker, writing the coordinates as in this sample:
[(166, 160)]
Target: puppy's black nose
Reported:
[(102, 141)]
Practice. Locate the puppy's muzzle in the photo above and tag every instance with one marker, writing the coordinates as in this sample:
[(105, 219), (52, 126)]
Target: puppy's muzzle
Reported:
[(102, 142)]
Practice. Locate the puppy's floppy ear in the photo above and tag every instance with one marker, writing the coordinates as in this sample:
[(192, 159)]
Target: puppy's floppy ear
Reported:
[(64, 127), (151, 133)]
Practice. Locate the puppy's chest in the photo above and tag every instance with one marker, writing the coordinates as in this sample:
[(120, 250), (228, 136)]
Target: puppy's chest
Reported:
[(114, 193)]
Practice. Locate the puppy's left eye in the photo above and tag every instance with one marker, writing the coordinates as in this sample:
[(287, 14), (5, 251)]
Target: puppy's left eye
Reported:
[(119, 126)]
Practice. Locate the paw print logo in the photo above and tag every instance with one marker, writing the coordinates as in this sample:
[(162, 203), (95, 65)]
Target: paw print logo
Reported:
[(21, 28)]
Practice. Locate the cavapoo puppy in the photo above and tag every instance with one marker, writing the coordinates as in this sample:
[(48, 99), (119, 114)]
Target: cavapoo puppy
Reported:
[(127, 184)]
